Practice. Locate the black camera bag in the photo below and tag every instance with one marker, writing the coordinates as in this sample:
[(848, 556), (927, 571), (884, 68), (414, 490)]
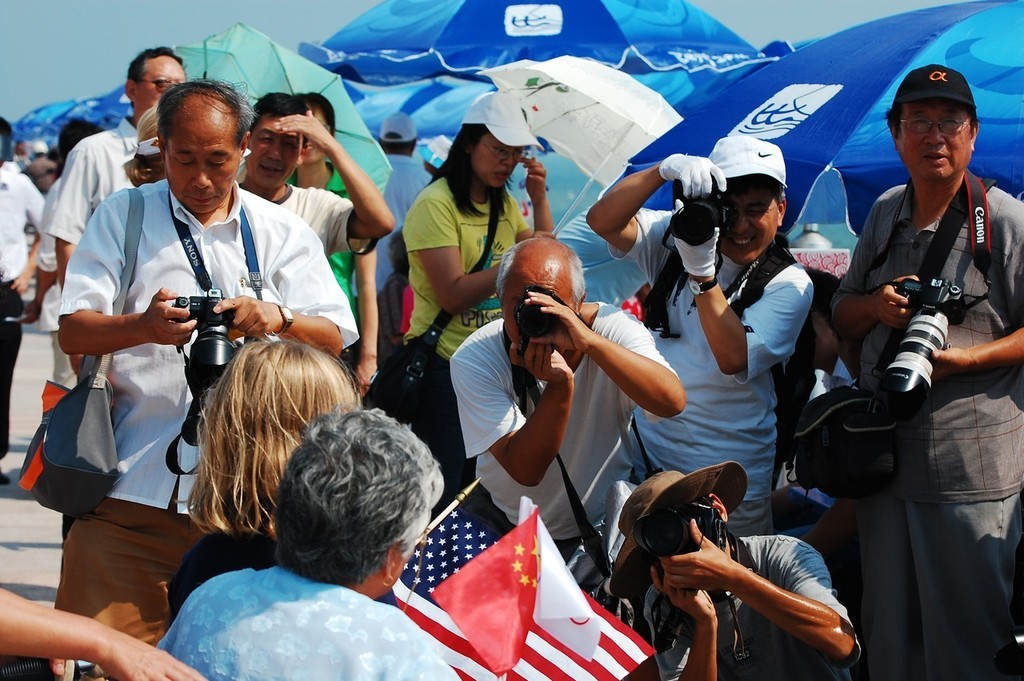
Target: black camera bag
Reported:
[(398, 386), (845, 444)]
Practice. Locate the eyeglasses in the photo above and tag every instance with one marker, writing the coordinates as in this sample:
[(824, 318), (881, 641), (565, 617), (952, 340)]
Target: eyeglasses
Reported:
[(922, 126), (160, 84), (503, 153)]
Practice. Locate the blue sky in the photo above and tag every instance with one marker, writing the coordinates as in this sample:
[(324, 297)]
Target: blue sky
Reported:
[(59, 49)]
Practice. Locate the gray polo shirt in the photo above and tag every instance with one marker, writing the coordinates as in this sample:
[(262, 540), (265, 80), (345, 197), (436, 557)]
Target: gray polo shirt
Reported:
[(967, 442)]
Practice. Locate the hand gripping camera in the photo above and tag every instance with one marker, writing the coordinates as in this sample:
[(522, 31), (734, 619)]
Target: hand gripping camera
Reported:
[(908, 378), (696, 222), (530, 320)]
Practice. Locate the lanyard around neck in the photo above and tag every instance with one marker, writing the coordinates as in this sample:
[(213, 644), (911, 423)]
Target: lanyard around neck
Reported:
[(195, 258)]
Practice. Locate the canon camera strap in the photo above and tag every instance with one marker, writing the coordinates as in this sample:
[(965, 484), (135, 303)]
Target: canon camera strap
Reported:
[(975, 208)]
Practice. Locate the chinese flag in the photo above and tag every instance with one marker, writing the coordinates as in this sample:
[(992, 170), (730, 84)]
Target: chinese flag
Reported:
[(492, 597)]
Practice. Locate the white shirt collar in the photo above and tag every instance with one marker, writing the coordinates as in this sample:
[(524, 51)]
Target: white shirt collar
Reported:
[(233, 215)]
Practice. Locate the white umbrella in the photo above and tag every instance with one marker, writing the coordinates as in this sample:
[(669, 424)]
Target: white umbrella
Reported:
[(591, 113)]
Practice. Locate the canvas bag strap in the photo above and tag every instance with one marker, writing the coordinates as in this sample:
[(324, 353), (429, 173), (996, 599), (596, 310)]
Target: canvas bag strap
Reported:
[(433, 333), (132, 234)]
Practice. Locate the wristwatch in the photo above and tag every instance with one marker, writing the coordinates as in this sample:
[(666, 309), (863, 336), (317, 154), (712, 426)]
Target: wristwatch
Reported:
[(287, 316), (699, 288)]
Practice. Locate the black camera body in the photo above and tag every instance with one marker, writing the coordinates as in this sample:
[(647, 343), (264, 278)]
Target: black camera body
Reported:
[(937, 294), (908, 378), (212, 350), (697, 220), (530, 321), (201, 308), (666, 531)]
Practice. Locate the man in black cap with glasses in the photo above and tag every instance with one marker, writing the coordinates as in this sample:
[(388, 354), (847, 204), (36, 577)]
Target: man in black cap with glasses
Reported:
[(938, 543)]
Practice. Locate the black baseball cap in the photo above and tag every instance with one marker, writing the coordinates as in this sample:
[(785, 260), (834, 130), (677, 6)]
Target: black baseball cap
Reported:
[(934, 81)]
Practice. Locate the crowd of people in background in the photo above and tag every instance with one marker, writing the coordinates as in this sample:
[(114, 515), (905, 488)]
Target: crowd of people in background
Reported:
[(267, 545)]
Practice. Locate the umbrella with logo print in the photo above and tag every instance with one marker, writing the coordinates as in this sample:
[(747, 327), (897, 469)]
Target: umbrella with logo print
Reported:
[(404, 40), (825, 104)]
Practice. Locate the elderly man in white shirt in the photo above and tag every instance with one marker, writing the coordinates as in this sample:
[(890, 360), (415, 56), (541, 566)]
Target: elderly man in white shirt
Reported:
[(118, 558)]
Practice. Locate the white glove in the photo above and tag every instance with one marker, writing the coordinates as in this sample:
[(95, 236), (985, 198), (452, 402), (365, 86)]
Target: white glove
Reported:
[(698, 261), (694, 172)]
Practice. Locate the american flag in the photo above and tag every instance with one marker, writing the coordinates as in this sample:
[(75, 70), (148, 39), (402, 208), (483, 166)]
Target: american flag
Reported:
[(460, 537)]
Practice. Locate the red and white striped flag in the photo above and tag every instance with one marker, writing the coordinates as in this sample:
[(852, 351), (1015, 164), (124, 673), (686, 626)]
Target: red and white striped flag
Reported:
[(457, 540)]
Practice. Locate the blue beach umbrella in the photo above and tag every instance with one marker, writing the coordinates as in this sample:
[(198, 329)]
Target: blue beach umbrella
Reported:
[(436, 105), (45, 122), (403, 40), (825, 104)]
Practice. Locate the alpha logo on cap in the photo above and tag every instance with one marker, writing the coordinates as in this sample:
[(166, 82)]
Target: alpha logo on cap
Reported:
[(938, 75)]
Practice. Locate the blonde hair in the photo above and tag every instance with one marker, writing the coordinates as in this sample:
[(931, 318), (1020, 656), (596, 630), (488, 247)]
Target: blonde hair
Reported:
[(145, 169), (253, 419)]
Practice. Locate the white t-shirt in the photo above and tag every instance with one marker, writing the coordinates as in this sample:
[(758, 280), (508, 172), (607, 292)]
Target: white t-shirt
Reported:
[(93, 171), (20, 204), (598, 446), (726, 417), (151, 397), (324, 211)]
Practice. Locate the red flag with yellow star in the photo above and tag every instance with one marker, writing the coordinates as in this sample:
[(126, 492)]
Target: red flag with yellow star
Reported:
[(492, 597)]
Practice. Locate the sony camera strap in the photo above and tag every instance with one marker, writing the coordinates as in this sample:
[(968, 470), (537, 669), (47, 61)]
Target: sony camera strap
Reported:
[(195, 258), (975, 207)]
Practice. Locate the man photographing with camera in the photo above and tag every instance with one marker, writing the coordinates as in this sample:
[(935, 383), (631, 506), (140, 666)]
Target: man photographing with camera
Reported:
[(224, 253), (556, 375), (724, 607), (938, 544), (701, 258)]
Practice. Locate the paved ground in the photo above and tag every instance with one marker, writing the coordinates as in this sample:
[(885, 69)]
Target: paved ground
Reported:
[(29, 533)]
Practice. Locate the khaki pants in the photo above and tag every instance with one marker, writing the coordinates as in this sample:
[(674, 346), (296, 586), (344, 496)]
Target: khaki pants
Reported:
[(117, 563)]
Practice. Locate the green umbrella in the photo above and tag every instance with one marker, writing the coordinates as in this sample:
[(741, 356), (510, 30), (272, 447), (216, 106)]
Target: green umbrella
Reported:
[(257, 65)]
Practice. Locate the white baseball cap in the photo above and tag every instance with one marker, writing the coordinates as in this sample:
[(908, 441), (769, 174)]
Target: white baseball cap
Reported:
[(739, 155), (504, 119), (398, 127)]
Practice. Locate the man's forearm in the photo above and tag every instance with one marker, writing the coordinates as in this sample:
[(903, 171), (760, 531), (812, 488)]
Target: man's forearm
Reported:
[(319, 332), (527, 453), (808, 620), (372, 218), (724, 331), (87, 332), (655, 388)]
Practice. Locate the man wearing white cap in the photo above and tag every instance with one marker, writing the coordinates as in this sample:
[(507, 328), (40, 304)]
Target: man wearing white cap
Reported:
[(728, 210), (408, 176)]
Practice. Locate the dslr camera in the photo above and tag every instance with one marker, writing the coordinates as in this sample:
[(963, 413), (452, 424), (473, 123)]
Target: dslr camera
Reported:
[(211, 350), (696, 222), (939, 303), (530, 320), (666, 531)]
